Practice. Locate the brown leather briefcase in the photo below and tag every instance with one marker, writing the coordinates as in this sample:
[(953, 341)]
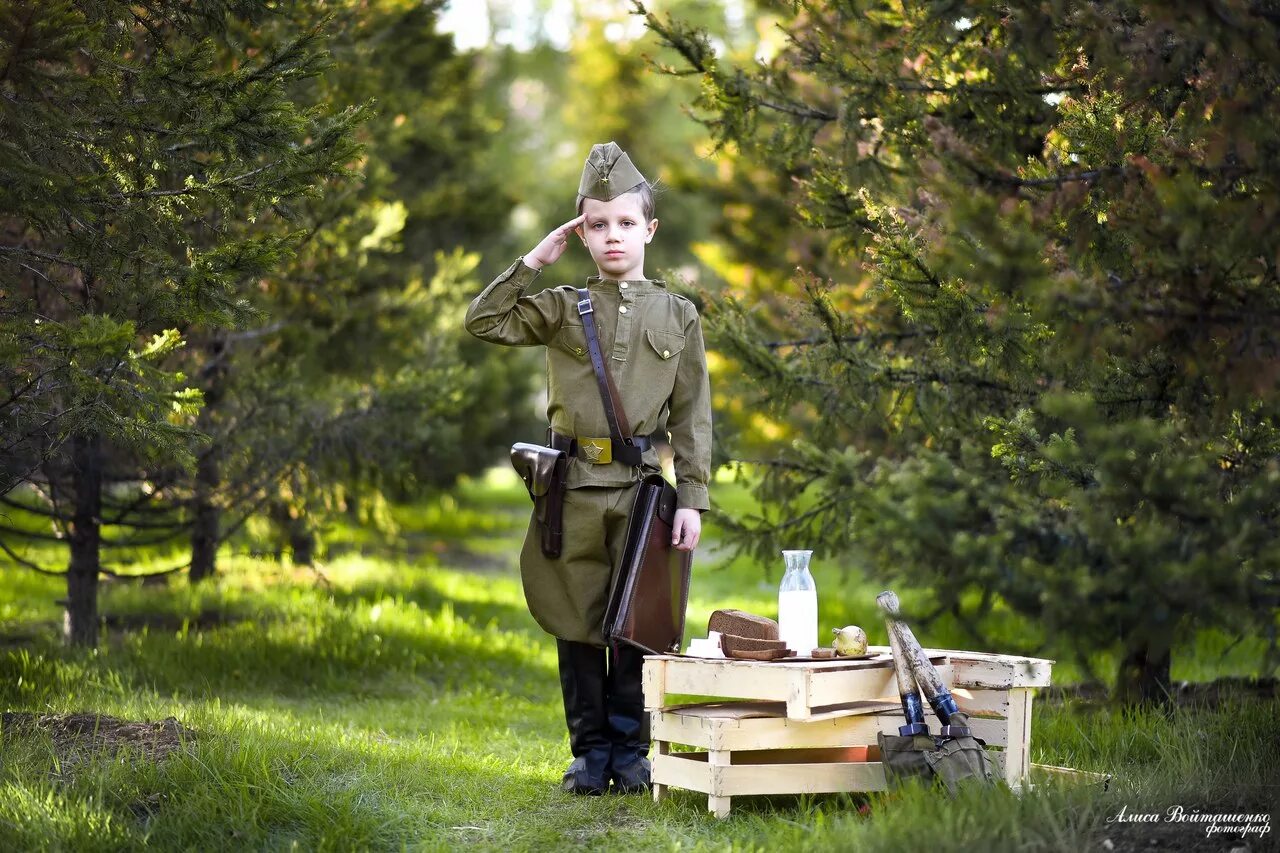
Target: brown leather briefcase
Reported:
[(651, 587)]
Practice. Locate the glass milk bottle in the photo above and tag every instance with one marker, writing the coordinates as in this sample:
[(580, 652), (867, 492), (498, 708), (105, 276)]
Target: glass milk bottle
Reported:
[(798, 604)]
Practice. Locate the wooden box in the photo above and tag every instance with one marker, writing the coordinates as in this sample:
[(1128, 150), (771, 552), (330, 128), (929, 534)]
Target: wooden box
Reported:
[(812, 725), (812, 690)]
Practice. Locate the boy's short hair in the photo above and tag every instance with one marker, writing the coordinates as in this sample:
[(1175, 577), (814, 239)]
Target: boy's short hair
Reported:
[(648, 203)]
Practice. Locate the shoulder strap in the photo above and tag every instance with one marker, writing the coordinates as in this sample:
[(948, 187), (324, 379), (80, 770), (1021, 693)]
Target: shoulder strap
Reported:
[(619, 428)]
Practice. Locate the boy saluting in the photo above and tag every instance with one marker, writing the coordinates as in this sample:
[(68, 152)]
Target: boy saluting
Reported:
[(651, 341)]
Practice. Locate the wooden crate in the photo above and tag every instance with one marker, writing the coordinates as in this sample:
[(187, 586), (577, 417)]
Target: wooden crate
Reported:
[(807, 738), (812, 690)]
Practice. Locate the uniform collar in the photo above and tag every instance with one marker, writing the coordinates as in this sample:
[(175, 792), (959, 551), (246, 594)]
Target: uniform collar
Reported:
[(633, 284)]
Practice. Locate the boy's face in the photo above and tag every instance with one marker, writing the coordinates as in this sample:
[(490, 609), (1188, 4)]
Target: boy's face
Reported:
[(615, 232)]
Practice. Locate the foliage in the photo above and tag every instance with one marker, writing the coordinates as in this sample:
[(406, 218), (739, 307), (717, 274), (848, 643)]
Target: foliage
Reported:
[(1046, 376), (355, 386), (117, 155), (145, 185)]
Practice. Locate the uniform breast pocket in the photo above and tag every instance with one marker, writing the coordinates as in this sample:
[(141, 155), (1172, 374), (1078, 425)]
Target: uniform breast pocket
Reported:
[(665, 348), (571, 340)]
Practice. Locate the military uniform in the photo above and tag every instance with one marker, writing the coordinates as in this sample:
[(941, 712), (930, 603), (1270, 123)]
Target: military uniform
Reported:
[(651, 340)]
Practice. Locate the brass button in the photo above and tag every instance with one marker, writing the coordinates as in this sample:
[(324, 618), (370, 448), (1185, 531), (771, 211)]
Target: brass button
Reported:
[(666, 353), (623, 309)]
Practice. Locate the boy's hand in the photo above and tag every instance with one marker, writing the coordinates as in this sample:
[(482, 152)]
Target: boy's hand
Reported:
[(552, 245), (686, 530)]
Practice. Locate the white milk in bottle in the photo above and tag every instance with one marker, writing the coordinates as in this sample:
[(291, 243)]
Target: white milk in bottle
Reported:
[(798, 604)]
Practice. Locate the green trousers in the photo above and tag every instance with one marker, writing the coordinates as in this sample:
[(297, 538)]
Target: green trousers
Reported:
[(568, 595)]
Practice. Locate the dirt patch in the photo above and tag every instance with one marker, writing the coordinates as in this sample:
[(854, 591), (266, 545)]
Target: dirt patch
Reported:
[(77, 738)]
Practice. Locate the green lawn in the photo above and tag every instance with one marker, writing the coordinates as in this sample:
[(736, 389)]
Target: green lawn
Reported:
[(402, 697)]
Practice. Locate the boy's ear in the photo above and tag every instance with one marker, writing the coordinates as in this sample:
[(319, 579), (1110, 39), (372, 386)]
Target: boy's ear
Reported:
[(578, 230), (653, 227)]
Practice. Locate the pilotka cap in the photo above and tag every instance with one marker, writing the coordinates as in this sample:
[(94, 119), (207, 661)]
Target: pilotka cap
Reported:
[(608, 173)]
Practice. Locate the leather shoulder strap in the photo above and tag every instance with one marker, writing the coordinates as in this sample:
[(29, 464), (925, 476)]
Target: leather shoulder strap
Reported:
[(619, 428)]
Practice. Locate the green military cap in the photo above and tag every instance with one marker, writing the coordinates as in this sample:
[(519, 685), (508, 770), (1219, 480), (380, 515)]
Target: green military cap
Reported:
[(608, 173)]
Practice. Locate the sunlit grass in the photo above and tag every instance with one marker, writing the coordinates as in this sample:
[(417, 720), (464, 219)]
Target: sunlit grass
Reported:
[(404, 698)]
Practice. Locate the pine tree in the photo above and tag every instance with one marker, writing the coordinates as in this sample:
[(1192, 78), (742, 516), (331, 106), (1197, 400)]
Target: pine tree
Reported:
[(358, 387), (1047, 378), (352, 389), (134, 167)]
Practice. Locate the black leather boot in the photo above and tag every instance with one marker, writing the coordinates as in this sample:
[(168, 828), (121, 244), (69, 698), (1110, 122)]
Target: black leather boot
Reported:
[(628, 721), (582, 682)]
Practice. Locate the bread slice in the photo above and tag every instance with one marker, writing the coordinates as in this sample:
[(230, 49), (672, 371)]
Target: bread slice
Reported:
[(734, 643), (743, 624), (760, 654)]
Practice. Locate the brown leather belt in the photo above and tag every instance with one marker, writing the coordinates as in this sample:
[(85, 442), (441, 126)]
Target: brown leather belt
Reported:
[(601, 451)]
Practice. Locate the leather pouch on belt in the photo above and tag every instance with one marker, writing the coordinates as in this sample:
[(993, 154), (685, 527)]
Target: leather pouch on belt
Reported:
[(543, 471)]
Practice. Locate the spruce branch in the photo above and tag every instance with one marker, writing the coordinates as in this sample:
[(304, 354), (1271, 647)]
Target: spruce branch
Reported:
[(25, 563)]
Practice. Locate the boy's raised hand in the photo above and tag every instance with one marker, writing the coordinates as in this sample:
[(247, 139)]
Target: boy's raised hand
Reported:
[(552, 245)]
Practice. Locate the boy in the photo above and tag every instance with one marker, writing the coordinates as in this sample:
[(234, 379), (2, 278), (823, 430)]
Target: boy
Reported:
[(651, 341)]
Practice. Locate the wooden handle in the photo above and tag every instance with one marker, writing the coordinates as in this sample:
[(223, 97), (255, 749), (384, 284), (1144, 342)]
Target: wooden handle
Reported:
[(922, 669)]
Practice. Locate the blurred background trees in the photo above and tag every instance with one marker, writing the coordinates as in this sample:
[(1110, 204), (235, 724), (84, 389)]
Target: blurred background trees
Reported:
[(134, 169), (1037, 359)]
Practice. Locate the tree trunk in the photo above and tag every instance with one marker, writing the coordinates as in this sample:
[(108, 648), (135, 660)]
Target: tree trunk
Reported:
[(80, 618), (295, 529), (204, 529), (302, 542), (351, 495), (1144, 676)]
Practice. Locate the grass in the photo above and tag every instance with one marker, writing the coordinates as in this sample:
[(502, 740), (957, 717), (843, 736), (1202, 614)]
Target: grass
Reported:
[(402, 697)]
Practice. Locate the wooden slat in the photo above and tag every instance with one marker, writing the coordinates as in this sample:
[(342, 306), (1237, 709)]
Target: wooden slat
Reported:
[(718, 801), (1002, 675), (722, 781), (987, 670), (715, 678), (691, 731), (1017, 750), (653, 678), (822, 778), (973, 700), (834, 688), (688, 770), (852, 709), (782, 733), (1084, 776), (661, 748)]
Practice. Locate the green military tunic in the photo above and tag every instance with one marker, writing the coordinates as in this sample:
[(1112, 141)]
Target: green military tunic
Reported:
[(652, 342)]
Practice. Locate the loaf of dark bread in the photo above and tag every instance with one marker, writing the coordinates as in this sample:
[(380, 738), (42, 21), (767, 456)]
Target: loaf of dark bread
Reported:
[(743, 624)]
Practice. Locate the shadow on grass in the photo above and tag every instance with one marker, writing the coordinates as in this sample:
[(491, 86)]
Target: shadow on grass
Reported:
[(384, 648), (427, 593), (250, 785)]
